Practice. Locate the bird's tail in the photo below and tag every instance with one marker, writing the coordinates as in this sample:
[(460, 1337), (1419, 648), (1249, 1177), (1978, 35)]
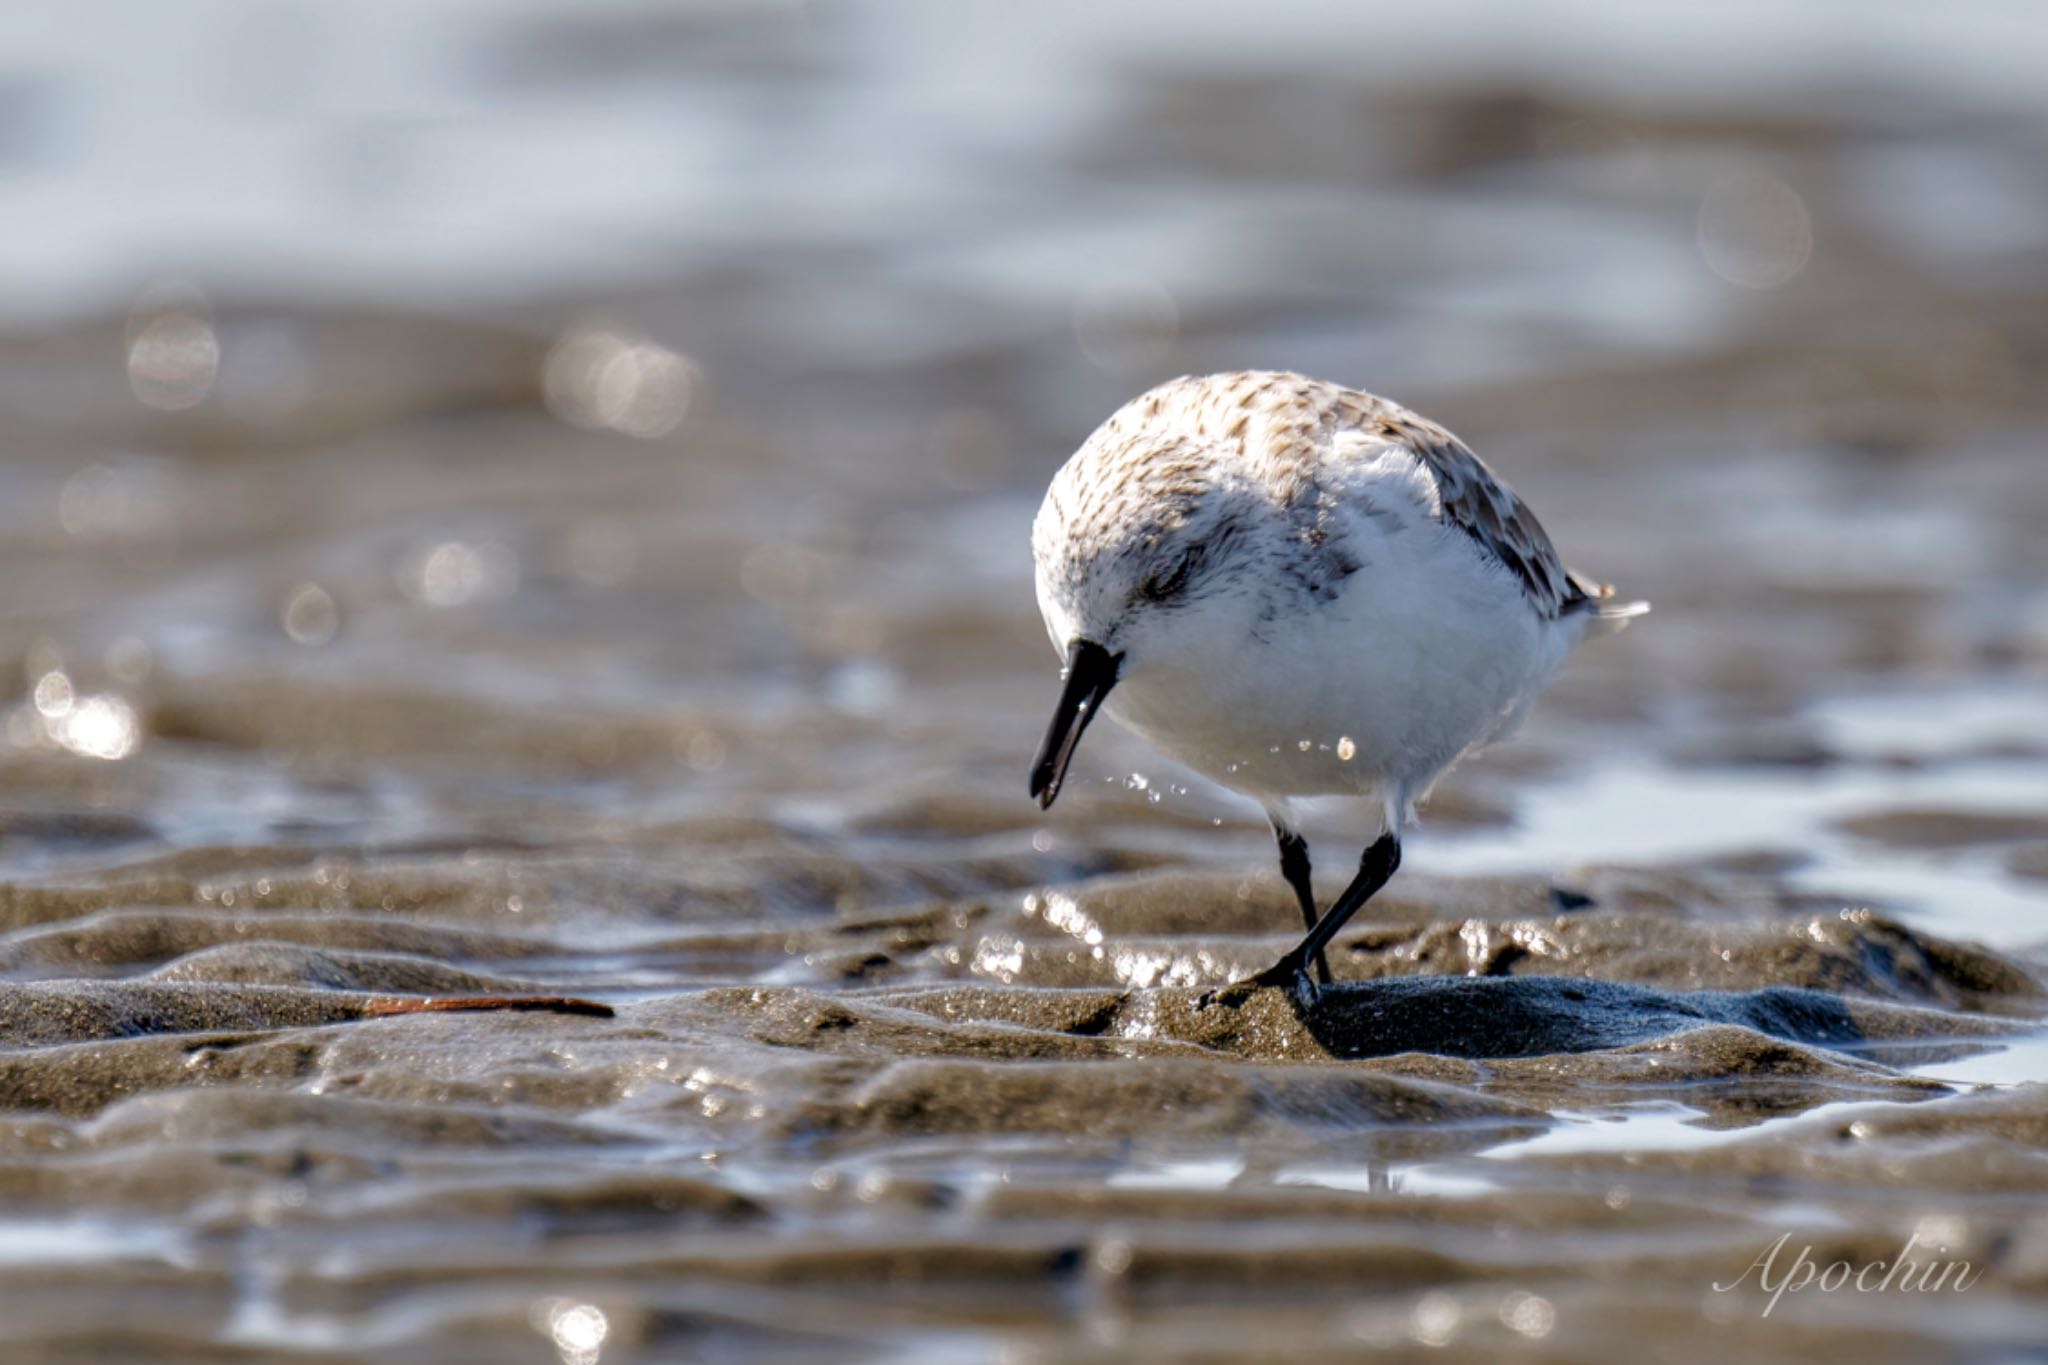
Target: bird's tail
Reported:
[(1604, 615), (1607, 618)]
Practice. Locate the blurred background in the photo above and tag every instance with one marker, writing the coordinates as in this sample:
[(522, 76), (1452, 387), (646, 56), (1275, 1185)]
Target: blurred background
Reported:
[(528, 359), (548, 483), (645, 404)]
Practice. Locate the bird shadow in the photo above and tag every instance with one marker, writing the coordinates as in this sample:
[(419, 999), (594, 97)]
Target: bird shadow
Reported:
[(1479, 1018)]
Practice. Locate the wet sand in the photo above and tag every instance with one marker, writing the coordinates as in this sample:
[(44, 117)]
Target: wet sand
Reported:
[(243, 1148), (659, 663)]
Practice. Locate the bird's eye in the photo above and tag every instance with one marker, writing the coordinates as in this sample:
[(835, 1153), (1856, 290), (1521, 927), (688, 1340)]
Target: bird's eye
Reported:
[(1168, 583)]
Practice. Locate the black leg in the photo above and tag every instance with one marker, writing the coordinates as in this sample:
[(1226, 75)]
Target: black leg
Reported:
[(1291, 971), (1294, 867), (1375, 869)]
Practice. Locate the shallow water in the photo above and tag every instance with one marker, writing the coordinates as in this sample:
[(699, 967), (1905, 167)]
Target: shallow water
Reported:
[(640, 616)]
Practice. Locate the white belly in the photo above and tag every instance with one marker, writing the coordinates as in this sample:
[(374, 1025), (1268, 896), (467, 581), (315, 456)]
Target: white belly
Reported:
[(1375, 693)]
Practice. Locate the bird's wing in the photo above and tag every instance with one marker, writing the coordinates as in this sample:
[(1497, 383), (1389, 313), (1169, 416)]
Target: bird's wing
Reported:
[(1479, 504)]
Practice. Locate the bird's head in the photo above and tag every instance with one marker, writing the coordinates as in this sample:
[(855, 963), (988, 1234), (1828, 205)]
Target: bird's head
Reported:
[(1130, 545)]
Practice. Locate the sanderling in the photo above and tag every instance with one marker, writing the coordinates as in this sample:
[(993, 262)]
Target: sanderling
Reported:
[(1299, 589)]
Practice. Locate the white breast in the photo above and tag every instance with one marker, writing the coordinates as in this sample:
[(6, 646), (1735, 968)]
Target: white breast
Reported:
[(1427, 651)]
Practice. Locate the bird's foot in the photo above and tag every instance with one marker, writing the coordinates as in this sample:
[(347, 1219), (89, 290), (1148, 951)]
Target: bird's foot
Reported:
[(1290, 974)]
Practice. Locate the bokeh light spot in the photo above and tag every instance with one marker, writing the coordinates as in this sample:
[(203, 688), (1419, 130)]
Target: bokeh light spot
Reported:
[(453, 573), (99, 727), (578, 1330), (603, 379), (173, 353), (310, 616), (1755, 231)]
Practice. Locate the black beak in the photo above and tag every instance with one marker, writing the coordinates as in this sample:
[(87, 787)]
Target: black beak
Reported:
[(1091, 672)]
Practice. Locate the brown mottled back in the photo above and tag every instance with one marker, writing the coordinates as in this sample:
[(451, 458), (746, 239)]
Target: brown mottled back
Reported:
[(1285, 428)]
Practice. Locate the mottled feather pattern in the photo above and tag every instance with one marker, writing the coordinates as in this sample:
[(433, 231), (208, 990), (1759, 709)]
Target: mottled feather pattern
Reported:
[(1157, 452), (1477, 503)]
